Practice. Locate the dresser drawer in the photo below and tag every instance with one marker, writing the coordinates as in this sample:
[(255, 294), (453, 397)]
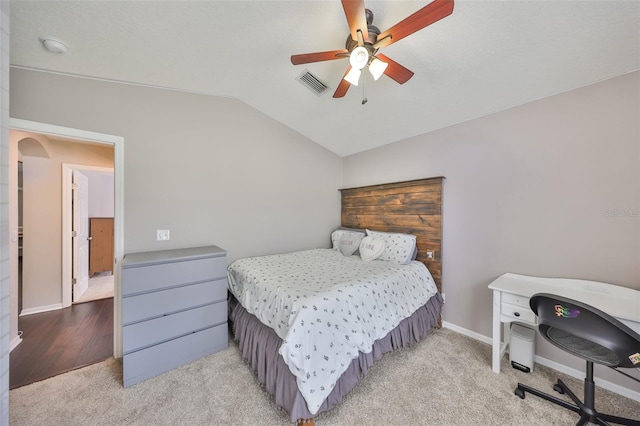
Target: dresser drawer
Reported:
[(151, 305), (157, 359), (172, 274), (146, 333), (514, 299), (518, 313)]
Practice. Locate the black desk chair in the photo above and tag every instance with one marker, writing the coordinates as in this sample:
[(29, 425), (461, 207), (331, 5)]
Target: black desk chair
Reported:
[(590, 334)]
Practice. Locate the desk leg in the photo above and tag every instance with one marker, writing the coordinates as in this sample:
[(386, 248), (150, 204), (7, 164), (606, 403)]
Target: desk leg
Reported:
[(495, 349)]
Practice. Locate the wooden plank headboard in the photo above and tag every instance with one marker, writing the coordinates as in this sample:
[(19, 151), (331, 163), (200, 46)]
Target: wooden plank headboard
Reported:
[(411, 207)]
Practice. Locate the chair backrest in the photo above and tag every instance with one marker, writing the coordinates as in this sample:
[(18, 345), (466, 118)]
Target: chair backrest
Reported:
[(585, 331)]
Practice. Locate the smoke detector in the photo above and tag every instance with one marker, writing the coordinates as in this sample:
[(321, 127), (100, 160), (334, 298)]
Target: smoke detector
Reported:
[(53, 44)]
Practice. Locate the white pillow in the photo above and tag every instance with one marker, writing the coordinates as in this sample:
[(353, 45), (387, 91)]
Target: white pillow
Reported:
[(350, 242), (371, 248), (337, 235), (399, 248)]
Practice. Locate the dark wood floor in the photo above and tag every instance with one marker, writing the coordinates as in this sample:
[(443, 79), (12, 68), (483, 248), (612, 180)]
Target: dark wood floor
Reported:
[(59, 341)]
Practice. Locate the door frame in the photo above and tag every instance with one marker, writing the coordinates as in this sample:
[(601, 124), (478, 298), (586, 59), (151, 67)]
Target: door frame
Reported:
[(67, 226), (118, 215)]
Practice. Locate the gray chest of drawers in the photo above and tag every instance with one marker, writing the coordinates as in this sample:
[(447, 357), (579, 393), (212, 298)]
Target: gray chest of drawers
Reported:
[(174, 309)]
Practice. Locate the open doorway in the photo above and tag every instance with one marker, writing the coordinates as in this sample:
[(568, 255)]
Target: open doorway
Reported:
[(87, 211), (57, 337), (48, 209), (115, 143)]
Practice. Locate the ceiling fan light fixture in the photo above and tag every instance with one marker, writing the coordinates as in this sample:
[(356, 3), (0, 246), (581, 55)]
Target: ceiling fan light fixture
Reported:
[(359, 57), (365, 39), (353, 76), (377, 67)]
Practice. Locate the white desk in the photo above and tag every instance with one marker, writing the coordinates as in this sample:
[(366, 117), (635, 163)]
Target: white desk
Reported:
[(511, 294)]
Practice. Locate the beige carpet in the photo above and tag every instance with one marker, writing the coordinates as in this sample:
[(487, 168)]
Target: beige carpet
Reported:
[(443, 380), (100, 287)]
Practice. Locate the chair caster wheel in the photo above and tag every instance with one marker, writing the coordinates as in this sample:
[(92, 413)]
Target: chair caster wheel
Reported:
[(558, 388), (519, 392)]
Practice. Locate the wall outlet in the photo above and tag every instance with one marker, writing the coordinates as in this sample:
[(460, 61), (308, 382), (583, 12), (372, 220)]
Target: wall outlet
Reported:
[(162, 235), (430, 254)]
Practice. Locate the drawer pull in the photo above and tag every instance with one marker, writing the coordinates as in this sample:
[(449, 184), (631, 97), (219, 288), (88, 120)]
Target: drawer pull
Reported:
[(517, 314)]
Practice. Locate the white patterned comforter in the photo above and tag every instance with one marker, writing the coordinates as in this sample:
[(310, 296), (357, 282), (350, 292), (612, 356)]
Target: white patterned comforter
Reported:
[(327, 307)]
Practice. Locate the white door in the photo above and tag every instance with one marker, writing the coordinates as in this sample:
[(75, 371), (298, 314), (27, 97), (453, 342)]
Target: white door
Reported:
[(80, 200)]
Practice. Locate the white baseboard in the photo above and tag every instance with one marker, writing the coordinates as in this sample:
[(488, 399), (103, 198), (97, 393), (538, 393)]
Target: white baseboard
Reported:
[(469, 333), (40, 309), (605, 384), (15, 342)]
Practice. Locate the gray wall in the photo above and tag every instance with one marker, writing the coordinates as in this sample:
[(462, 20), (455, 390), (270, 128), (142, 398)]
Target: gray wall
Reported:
[(212, 170), (529, 190)]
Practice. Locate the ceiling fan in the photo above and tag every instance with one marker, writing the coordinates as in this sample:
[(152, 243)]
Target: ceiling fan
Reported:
[(366, 40)]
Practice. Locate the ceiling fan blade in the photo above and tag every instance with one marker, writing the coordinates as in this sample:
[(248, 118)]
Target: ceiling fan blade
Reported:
[(343, 86), (429, 14), (394, 70), (330, 55), (356, 18)]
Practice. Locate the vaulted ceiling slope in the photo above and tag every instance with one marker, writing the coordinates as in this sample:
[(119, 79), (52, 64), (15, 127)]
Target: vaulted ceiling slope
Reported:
[(486, 57)]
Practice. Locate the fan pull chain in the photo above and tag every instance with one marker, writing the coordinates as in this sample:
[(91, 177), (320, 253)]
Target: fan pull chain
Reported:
[(364, 88)]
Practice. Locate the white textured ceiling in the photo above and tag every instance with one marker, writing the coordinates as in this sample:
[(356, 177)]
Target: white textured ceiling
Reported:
[(486, 57)]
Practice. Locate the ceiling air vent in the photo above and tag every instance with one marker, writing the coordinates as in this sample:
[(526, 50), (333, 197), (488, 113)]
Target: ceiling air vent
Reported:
[(312, 82)]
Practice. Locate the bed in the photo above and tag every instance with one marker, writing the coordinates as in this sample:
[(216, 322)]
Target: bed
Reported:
[(311, 323)]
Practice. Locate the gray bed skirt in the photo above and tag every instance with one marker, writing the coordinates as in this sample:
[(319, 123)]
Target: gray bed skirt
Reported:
[(259, 345)]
